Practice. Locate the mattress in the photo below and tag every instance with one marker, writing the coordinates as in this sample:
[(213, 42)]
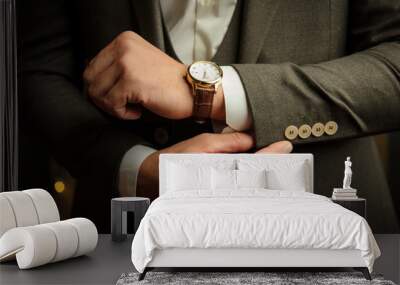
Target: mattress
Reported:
[(251, 219)]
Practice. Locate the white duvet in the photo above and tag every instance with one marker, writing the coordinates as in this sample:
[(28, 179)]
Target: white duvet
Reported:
[(250, 219)]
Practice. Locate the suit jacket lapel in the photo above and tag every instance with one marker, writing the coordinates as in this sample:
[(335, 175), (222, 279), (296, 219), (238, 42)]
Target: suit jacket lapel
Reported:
[(256, 21), (149, 18)]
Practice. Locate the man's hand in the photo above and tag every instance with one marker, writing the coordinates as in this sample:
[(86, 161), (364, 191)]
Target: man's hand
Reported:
[(147, 182), (130, 73)]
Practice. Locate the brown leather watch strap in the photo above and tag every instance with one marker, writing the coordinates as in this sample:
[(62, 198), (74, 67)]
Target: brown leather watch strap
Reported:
[(203, 100)]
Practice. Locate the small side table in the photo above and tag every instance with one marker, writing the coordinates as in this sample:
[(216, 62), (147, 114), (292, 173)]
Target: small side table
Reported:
[(358, 206), (119, 209)]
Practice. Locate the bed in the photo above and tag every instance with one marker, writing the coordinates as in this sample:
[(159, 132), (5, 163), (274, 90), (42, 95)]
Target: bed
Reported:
[(247, 211)]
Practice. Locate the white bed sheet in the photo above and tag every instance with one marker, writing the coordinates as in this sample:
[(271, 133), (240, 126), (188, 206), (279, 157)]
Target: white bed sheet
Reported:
[(250, 218)]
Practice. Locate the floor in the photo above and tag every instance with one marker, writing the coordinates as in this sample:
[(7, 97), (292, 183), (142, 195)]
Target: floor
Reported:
[(106, 264)]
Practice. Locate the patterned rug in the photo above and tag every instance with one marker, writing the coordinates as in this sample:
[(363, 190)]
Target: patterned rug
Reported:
[(243, 278)]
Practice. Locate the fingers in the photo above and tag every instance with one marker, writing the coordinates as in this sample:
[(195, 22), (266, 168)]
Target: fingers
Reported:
[(128, 112), (99, 63), (278, 147), (116, 103), (116, 49), (228, 130), (104, 81), (104, 76), (228, 142), (225, 143)]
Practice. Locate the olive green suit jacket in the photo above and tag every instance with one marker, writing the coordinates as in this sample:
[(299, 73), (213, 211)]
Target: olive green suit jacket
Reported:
[(301, 62)]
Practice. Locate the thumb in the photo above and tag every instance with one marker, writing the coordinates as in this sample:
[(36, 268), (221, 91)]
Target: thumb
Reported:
[(278, 147)]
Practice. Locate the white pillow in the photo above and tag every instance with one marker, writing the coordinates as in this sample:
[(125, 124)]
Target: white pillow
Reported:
[(281, 174), (223, 179), (251, 178), (292, 179), (188, 177)]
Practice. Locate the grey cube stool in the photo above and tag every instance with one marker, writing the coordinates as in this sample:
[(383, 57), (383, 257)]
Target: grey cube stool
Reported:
[(119, 209)]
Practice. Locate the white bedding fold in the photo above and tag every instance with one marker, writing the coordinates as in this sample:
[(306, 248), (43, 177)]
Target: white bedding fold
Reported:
[(250, 219)]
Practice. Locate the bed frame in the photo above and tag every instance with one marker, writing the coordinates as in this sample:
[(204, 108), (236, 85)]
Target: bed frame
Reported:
[(250, 259), (246, 259)]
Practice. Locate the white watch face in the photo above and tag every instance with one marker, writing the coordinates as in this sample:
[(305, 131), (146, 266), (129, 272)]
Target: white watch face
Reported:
[(205, 71)]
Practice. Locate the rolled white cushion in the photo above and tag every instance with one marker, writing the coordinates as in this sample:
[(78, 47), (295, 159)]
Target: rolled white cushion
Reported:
[(23, 208), (7, 218), (87, 235), (67, 240), (45, 206), (33, 246), (40, 244)]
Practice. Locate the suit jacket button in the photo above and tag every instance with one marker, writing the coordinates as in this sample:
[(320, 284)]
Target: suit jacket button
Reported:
[(318, 129), (331, 128), (291, 132), (305, 131), (161, 136)]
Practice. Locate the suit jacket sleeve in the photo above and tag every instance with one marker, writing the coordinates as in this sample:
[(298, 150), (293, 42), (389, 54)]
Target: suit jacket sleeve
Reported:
[(361, 91), (83, 139)]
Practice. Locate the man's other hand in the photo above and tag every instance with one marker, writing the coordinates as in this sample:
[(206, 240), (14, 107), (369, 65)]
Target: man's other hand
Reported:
[(147, 182), (130, 73)]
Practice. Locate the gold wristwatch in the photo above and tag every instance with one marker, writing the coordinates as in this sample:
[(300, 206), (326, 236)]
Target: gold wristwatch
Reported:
[(205, 77)]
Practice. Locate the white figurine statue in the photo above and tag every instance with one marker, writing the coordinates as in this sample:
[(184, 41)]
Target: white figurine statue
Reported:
[(347, 192), (347, 174)]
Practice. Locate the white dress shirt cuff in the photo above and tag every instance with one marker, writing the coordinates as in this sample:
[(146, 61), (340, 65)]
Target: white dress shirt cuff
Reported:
[(129, 168), (238, 116)]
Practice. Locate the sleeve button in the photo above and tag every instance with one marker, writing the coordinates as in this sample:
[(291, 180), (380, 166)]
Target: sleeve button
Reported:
[(331, 128), (318, 129), (291, 132), (304, 131)]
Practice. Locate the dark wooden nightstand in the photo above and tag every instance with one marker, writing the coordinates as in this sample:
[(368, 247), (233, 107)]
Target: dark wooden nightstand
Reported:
[(358, 205)]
